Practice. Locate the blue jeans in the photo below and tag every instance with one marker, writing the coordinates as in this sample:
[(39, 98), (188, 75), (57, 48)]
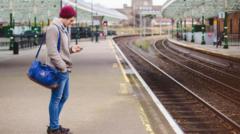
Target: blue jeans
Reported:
[(58, 98)]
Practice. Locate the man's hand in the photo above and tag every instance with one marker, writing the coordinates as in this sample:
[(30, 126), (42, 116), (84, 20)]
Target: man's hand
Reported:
[(76, 48)]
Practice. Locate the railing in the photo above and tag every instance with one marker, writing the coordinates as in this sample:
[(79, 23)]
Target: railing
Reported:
[(234, 39), (23, 42), (4, 44)]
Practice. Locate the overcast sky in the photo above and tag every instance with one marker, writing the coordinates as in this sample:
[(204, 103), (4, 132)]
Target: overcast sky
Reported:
[(119, 3)]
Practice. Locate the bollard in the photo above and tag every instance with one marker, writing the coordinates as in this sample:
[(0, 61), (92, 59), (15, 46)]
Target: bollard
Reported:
[(92, 36), (15, 48), (96, 36)]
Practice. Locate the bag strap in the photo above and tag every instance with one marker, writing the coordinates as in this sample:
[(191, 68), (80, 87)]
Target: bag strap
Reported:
[(58, 45)]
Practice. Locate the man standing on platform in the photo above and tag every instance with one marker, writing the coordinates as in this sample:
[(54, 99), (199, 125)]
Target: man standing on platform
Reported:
[(59, 57)]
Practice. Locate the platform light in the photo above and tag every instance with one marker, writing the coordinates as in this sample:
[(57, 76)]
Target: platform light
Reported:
[(225, 46), (203, 24), (92, 20)]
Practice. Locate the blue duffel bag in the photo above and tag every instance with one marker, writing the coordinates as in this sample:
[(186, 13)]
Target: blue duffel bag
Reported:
[(42, 74)]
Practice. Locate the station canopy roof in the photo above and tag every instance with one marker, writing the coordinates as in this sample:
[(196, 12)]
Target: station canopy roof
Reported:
[(25, 10), (197, 8)]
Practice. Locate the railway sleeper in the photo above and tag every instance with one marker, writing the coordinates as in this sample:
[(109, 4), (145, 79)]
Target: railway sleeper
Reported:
[(187, 112), (168, 92), (177, 99), (173, 95), (208, 131), (194, 117), (210, 127), (180, 108), (207, 122), (177, 102), (189, 107)]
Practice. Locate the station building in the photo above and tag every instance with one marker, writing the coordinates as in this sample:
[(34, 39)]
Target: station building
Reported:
[(211, 20)]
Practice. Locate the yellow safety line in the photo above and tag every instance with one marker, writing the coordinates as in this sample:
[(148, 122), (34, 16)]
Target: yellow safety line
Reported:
[(142, 114), (119, 63), (145, 120)]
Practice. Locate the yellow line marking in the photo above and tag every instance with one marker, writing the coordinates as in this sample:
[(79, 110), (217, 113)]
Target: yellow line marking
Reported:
[(142, 114), (119, 63), (145, 120), (115, 65), (123, 89)]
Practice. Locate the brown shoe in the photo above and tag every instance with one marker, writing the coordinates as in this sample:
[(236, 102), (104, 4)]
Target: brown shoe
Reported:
[(61, 130), (64, 129), (56, 131)]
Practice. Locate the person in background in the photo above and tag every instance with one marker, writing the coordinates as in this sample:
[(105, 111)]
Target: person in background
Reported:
[(58, 31), (220, 39), (215, 39)]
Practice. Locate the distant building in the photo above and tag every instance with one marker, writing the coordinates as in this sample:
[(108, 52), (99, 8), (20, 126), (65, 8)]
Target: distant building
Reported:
[(137, 4), (133, 12), (126, 10)]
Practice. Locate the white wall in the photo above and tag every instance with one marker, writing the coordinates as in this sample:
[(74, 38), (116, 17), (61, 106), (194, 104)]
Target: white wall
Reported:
[(209, 37)]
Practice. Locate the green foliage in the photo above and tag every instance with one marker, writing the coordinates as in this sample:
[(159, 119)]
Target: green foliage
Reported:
[(142, 44), (150, 16)]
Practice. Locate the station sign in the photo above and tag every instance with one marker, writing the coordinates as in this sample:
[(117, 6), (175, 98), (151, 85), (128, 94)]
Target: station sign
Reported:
[(221, 15), (145, 8), (97, 20)]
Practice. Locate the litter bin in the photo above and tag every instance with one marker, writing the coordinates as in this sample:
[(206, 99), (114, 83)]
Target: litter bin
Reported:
[(15, 48)]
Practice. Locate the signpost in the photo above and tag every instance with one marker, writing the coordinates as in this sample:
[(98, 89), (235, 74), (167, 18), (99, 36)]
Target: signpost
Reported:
[(144, 11), (97, 21)]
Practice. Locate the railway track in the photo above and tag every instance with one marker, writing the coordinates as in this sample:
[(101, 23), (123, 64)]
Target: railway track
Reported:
[(212, 73), (229, 84), (209, 83), (191, 112), (230, 67)]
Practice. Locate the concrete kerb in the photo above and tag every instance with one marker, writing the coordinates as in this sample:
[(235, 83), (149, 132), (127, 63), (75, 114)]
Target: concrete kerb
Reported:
[(221, 55), (160, 106)]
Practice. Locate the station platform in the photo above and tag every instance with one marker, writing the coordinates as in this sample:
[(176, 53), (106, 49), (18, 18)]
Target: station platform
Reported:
[(231, 53), (100, 101)]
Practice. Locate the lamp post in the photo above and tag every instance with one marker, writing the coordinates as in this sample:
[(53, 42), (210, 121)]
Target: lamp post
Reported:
[(185, 29), (77, 34), (35, 22), (140, 21), (177, 29), (192, 28), (185, 25), (61, 4), (48, 16), (11, 27), (225, 27), (160, 27), (172, 22), (92, 20), (203, 25), (11, 32), (134, 18), (144, 25), (203, 32), (181, 28)]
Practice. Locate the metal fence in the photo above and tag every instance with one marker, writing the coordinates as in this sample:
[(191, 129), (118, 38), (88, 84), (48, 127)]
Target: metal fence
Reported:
[(234, 39), (23, 42)]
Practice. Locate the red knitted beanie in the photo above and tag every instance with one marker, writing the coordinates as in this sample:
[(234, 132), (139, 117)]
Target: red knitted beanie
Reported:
[(67, 12)]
